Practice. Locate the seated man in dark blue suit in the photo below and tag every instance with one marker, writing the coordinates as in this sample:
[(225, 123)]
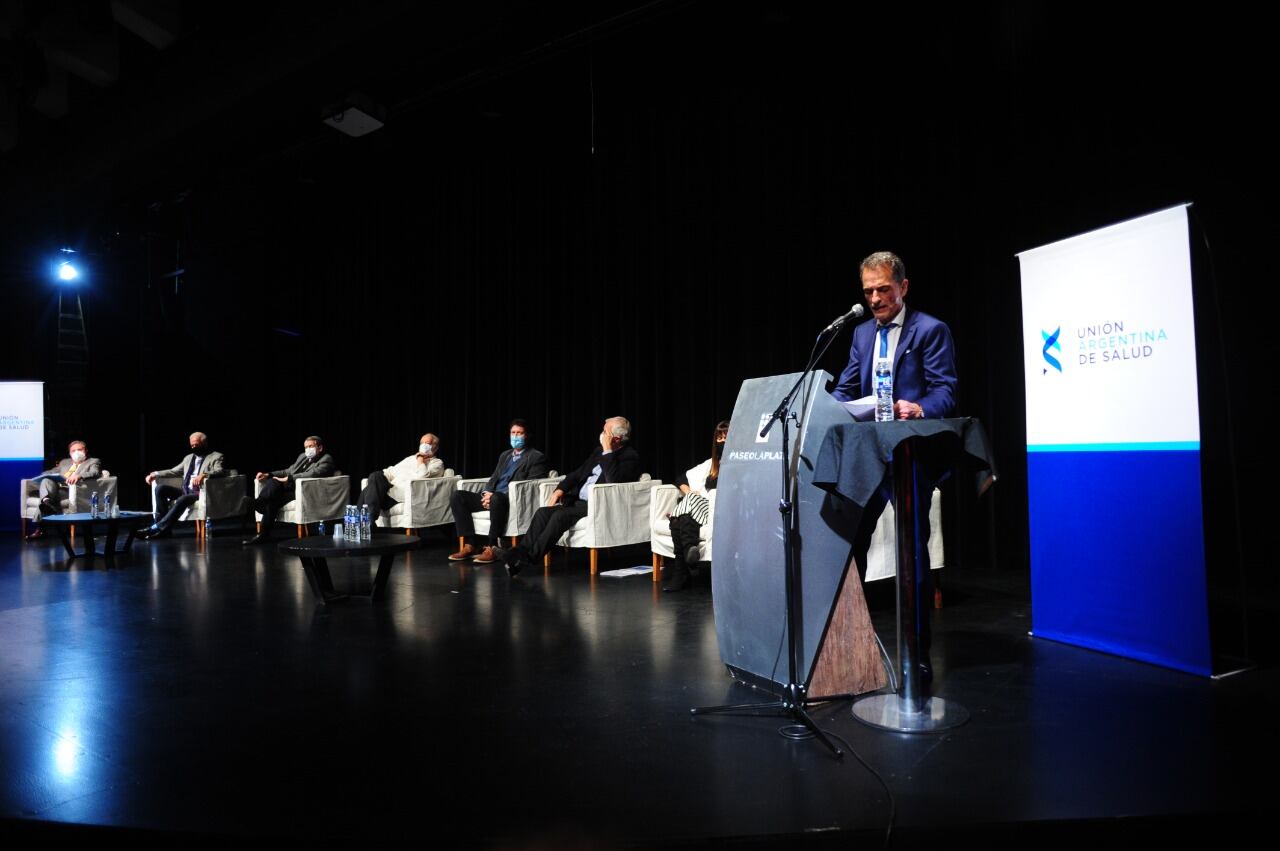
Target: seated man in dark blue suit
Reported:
[(923, 359), (612, 461)]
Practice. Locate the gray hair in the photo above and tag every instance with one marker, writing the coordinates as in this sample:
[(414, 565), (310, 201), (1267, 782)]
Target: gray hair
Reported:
[(621, 428), (882, 260), (319, 441)]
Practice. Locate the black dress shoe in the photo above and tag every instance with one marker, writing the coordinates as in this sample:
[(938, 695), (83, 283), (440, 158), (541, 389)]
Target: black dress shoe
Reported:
[(677, 577), (47, 507), (159, 533), (512, 560), (260, 538), (691, 555), (35, 534)]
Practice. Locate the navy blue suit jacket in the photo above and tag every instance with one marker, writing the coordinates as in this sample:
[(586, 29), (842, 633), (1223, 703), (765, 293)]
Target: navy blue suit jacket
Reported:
[(924, 365)]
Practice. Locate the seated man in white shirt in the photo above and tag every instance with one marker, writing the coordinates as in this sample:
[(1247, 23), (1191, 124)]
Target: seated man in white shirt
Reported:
[(387, 487)]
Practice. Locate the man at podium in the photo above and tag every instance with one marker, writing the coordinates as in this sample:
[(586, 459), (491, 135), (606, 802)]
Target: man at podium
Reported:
[(922, 355), (918, 345)]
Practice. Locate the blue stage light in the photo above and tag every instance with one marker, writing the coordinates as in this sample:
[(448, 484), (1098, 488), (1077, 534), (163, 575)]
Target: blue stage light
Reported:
[(67, 271)]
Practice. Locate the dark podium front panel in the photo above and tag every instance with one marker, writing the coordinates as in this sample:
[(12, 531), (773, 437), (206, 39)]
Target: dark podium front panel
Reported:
[(748, 579)]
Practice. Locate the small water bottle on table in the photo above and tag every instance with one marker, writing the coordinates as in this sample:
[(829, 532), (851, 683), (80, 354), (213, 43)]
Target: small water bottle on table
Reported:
[(884, 391), (93, 505)]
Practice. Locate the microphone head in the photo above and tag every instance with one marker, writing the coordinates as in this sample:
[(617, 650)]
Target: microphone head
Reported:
[(857, 311)]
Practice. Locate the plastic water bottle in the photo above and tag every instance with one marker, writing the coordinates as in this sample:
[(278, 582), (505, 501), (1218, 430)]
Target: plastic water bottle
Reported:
[(323, 529), (366, 525), (93, 505), (348, 530), (884, 391), (106, 505)]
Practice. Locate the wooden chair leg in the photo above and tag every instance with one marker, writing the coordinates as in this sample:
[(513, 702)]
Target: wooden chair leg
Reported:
[(595, 561), (258, 527), (408, 532), (546, 560), (515, 541), (657, 568), (24, 528), (301, 531), (199, 530)]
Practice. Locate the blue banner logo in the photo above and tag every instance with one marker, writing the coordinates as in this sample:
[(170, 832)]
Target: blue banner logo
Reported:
[(1051, 342)]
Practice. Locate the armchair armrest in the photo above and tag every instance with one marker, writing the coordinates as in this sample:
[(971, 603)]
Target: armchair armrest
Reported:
[(473, 485), (322, 498)]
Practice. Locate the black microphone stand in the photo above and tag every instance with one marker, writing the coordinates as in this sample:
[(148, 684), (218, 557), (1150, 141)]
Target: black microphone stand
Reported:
[(793, 700)]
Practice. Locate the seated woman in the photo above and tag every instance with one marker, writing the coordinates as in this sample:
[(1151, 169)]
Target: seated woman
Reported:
[(693, 511)]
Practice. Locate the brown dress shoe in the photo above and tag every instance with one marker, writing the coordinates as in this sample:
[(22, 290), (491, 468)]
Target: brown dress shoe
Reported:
[(466, 550), (486, 557)]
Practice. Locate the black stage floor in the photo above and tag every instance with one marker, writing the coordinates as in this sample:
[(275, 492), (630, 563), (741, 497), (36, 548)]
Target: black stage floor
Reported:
[(201, 692)]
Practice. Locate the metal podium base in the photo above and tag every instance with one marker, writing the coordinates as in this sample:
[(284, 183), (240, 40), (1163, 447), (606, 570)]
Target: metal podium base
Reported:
[(892, 712)]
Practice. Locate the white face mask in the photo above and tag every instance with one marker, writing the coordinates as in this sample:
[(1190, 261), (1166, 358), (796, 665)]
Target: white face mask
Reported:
[(310, 452), (77, 455), (425, 449)]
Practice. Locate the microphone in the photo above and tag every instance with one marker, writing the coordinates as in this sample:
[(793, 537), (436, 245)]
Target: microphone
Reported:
[(854, 312)]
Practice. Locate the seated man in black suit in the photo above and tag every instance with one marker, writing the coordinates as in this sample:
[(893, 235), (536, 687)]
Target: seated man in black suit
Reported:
[(277, 487), (612, 461), (516, 464)]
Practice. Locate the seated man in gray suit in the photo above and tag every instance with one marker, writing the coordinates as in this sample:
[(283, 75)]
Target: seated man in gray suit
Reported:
[(68, 471), (516, 464), (277, 486), (203, 463)]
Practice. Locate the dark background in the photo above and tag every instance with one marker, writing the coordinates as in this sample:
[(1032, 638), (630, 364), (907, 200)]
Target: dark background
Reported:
[(576, 211)]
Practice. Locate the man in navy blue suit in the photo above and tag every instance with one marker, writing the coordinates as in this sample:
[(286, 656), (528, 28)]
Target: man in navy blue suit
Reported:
[(918, 345), (924, 386)]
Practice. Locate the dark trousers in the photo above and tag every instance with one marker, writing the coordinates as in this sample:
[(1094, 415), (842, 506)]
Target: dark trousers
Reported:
[(862, 543), (270, 499), (464, 502), (548, 524), (685, 533), (170, 503), (376, 495)]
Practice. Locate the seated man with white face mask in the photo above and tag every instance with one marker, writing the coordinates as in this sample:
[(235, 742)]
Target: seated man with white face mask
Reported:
[(387, 487), (53, 482), (277, 486)]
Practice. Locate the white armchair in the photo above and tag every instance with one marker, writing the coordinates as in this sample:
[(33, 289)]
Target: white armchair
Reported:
[(662, 503), (426, 504), (526, 497), (220, 497), (76, 501), (314, 500), (617, 515), (882, 555)]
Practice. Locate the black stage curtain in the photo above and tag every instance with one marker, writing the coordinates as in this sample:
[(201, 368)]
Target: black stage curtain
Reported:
[(637, 223)]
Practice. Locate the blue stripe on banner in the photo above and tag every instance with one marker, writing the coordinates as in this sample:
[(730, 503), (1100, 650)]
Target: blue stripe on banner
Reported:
[(1117, 554), (38, 460), (1168, 446)]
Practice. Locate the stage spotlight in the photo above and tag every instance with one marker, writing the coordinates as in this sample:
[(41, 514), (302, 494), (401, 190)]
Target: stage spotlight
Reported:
[(65, 269)]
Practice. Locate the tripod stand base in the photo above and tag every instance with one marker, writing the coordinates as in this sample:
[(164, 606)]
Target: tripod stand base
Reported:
[(892, 712)]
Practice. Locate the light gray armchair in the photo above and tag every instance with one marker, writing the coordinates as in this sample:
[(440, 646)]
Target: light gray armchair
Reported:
[(220, 497), (76, 501), (526, 497), (426, 504), (314, 500), (617, 515)]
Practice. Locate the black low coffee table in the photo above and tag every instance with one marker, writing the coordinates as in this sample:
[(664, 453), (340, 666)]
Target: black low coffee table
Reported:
[(130, 521), (315, 551)]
